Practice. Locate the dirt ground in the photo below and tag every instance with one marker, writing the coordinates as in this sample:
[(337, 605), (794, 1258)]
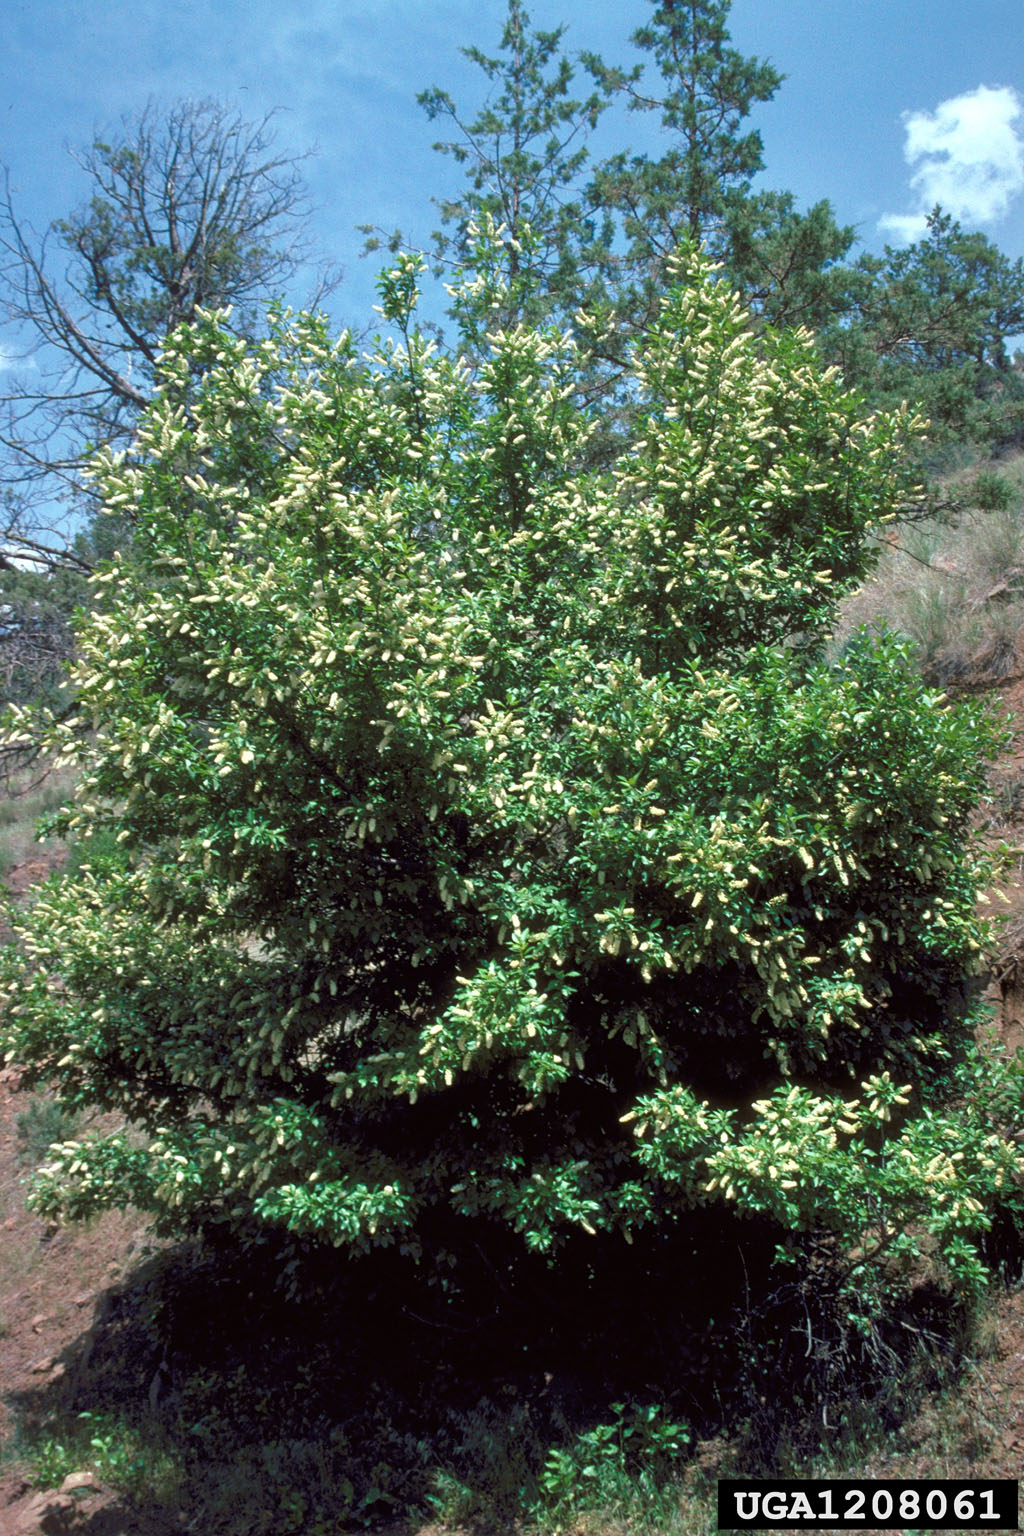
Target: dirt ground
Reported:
[(55, 1286), (52, 1290)]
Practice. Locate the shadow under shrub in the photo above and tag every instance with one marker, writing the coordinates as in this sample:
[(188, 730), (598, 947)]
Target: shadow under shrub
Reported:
[(207, 1393)]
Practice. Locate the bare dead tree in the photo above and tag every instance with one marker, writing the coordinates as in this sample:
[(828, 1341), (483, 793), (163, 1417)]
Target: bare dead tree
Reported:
[(189, 208)]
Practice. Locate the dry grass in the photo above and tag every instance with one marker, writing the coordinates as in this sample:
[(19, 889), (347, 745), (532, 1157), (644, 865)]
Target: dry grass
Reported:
[(955, 588), (29, 795)]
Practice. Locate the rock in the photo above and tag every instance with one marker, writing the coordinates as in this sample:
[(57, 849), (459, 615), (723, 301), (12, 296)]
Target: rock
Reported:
[(59, 1517), (42, 1512), (77, 1482), (48, 1366), (1005, 589)]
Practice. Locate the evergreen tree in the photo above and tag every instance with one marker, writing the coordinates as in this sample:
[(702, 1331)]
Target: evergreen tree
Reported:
[(784, 263), (709, 89), (789, 267), (930, 322), (523, 154)]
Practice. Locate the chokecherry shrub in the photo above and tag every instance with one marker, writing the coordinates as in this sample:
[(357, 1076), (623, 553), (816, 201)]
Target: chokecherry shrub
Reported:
[(474, 839)]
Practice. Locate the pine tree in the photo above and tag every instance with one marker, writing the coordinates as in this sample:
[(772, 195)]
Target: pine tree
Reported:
[(789, 266), (524, 154), (930, 322), (783, 263), (708, 90)]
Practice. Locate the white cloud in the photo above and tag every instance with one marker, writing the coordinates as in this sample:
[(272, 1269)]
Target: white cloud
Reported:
[(967, 155), (11, 361)]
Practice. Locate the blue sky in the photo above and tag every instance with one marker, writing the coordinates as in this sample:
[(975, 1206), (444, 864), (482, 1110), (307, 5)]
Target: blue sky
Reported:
[(869, 82)]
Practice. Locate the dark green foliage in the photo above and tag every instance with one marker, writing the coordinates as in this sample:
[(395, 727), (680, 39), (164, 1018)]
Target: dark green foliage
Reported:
[(992, 492), (929, 323), (708, 90), (926, 324), (784, 263), (44, 1122), (787, 265)]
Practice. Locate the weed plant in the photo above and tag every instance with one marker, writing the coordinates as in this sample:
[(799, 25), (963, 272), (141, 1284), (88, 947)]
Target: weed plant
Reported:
[(113, 1449), (44, 1122)]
